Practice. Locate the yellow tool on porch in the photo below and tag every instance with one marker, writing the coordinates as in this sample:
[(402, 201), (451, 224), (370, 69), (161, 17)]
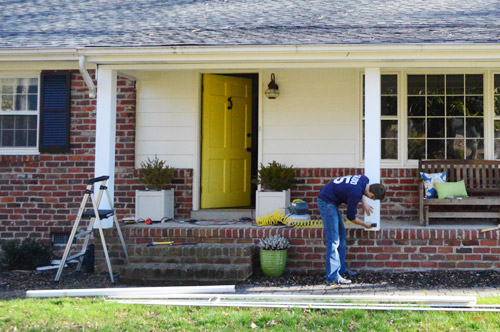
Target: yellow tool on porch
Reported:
[(95, 215), (276, 217)]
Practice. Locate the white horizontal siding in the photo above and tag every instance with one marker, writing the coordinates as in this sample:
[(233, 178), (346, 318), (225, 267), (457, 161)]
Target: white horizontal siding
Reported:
[(314, 122), (166, 117)]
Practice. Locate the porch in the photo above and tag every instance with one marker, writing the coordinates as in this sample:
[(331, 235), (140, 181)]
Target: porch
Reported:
[(229, 252)]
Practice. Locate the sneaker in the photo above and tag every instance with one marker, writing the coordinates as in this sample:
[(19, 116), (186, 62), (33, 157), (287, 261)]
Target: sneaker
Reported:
[(341, 281)]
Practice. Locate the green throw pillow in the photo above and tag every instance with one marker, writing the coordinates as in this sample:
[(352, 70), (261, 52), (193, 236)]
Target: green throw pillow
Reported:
[(451, 189)]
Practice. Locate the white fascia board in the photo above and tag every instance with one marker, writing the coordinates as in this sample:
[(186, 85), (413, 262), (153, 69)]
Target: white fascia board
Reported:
[(261, 54)]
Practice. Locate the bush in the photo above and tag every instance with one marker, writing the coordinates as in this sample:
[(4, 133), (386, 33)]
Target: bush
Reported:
[(25, 255), (156, 174), (276, 176)]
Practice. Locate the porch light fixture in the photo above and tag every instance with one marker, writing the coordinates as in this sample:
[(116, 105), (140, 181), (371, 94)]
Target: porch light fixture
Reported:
[(272, 90)]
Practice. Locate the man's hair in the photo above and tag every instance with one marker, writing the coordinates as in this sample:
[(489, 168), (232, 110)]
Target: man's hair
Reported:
[(378, 190)]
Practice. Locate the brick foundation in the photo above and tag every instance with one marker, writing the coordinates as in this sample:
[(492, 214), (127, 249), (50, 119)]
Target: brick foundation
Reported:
[(394, 249)]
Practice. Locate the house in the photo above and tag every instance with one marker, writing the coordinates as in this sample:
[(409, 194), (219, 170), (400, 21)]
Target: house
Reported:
[(364, 87)]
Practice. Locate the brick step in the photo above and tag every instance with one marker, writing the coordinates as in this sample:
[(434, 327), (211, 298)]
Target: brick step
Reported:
[(154, 274), (202, 253)]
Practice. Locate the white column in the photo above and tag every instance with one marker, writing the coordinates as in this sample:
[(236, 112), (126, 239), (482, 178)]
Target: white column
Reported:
[(372, 135), (105, 141)]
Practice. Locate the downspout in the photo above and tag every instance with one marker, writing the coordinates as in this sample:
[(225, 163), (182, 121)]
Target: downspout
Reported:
[(86, 77)]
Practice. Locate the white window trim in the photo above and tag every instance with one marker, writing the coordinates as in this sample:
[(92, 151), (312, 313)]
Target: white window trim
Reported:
[(403, 161), (23, 150)]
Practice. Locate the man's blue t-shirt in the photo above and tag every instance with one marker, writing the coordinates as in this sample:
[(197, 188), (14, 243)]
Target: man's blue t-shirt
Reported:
[(348, 190)]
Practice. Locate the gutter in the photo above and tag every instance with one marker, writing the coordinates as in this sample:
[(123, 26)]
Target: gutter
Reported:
[(86, 77)]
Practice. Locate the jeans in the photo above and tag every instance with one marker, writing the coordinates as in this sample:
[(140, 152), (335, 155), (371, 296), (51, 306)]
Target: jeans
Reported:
[(334, 229)]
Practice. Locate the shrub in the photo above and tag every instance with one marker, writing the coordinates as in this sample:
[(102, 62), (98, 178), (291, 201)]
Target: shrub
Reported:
[(274, 242), (156, 174), (25, 255), (276, 176)]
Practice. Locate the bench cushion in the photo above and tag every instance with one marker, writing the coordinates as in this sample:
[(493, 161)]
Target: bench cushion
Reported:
[(429, 180), (451, 189)]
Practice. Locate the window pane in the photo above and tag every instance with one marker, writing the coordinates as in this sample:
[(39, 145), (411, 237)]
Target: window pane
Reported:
[(435, 149), (7, 138), (474, 105), (389, 128), (497, 128), (416, 106), (474, 149), (454, 106), (416, 128), (435, 106), (389, 84), (8, 86), (22, 86), (497, 149), (33, 86), (455, 148), (389, 105), (20, 138), (473, 84), (454, 84), (32, 102), (8, 122), (435, 127), (416, 149), (21, 122), (389, 149), (454, 127), (7, 102), (474, 127), (32, 138), (32, 122), (435, 84), (20, 101), (497, 105), (497, 84), (416, 84)]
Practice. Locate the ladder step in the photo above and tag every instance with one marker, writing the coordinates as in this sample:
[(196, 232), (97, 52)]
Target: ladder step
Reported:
[(82, 234), (80, 254), (49, 267), (103, 214), (58, 261)]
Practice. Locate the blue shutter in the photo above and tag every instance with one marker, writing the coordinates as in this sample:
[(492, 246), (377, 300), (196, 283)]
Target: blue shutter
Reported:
[(55, 112)]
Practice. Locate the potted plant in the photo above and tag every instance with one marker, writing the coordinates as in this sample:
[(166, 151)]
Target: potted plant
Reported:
[(155, 202), (275, 180), (273, 253)]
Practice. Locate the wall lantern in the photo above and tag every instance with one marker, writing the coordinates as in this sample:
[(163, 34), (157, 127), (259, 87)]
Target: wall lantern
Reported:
[(272, 90)]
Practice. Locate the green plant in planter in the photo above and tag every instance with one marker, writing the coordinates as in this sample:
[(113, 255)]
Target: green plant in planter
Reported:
[(273, 253), (275, 176), (155, 173)]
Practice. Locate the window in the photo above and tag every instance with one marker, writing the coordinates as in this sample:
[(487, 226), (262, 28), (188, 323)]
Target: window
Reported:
[(389, 116), (18, 112), (445, 117)]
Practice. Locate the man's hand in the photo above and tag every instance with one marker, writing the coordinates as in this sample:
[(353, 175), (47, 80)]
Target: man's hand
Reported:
[(367, 208)]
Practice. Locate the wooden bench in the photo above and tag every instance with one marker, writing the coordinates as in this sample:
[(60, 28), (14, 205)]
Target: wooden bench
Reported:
[(482, 181)]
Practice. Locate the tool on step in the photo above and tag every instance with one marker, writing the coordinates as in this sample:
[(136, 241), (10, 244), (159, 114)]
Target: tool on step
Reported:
[(490, 229), (95, 215), (171, 243)]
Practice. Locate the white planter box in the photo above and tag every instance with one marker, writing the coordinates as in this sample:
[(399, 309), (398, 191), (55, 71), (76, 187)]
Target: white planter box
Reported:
[(153, 204), (269, 201)]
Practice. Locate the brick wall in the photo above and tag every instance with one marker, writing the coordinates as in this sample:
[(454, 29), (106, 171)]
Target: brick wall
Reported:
[(41, 194), (401, 202), (395, 249)]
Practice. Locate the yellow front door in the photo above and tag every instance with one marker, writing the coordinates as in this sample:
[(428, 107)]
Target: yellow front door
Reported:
[(226, 141)]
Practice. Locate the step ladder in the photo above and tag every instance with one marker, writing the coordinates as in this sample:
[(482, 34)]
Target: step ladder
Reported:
[(95, 215)]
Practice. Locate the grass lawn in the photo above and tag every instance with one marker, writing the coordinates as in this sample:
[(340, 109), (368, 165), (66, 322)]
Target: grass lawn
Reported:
[(75, 314)]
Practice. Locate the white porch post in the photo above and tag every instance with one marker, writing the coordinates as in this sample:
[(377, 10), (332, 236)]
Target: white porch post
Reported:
[(106, 134), (372, 135)]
